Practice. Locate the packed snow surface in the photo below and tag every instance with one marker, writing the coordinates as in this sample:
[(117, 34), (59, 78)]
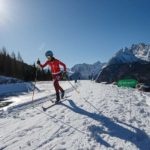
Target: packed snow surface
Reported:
[(92, 117)]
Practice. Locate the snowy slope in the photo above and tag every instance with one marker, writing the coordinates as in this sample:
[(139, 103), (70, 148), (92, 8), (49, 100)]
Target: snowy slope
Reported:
[(99, 117)]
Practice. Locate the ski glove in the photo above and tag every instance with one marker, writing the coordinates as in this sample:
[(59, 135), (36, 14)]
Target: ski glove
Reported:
[(64, 74), (38, 62)]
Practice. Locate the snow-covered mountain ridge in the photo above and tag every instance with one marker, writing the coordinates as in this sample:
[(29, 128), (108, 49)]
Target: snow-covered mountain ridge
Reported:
[(86, 70), (137, 52)]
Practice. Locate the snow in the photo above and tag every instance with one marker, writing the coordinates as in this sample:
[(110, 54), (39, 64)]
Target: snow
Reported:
[(123, 56), (6, 89), (135, 53), (86, 70), (21, 93), (98, 116), (141, 51), (7, 80)]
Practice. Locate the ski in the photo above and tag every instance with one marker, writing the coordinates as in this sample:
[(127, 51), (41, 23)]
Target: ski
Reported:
[(47, 107), (53, 103)]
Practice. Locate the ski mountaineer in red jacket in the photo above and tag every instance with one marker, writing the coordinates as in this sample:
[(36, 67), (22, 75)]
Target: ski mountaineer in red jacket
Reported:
[(54, 64)]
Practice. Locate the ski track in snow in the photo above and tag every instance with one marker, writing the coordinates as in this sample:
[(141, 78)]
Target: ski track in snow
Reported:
[(114, 119)]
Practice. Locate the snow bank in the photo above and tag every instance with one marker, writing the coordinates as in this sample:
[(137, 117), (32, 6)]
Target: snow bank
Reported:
[(7, 80), (44, 90), (8, 89)]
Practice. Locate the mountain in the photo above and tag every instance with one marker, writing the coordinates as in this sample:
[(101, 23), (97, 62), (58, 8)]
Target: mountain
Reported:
[(86, 71), (133, 61), (136, 53), (141, 51)]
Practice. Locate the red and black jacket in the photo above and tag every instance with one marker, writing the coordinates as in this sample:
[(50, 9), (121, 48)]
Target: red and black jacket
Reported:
[(54, 65)]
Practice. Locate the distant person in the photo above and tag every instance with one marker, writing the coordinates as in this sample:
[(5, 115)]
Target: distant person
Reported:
[(75, 81), (75, 78), (54, 64)]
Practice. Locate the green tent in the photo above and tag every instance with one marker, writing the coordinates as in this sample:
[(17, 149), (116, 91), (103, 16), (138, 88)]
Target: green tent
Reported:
[(127, 83)]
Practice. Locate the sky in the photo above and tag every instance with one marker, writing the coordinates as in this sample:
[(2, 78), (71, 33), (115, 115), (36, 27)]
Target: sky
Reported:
[(77, 31)]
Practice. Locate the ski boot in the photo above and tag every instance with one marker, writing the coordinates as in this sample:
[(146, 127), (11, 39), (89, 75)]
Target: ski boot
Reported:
[(57, 98), (62, 94)]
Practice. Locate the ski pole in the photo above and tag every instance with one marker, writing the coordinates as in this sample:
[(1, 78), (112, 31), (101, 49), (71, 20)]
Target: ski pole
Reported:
[(70, 83), (83, 97), (35, 80), (73, 87)]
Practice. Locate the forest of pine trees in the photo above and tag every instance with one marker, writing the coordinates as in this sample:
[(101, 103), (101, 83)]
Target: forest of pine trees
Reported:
[(13, 66)]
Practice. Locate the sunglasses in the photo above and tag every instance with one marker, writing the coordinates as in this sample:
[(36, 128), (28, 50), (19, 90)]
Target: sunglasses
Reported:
[(48, 56)]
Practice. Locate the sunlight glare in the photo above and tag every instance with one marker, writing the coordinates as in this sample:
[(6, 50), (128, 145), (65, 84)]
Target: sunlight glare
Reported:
[(3, 12)]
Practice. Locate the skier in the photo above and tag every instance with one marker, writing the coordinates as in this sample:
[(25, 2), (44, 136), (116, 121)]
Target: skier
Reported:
[(54, 64)]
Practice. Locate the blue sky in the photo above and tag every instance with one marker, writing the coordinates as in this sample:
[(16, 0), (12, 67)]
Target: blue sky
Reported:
[(77, 31)]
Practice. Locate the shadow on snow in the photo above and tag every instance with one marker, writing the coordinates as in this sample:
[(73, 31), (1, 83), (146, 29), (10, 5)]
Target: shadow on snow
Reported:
[(113, 129)]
